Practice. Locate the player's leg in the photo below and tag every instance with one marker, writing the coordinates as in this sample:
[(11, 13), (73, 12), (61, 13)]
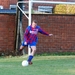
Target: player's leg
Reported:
[(33, 48), (22, 46), (32, 54)]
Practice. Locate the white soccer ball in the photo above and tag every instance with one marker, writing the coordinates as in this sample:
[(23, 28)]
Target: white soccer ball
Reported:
[(24, 63)]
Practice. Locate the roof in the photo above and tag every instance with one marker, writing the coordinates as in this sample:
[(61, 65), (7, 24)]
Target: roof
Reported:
[(7, 11)]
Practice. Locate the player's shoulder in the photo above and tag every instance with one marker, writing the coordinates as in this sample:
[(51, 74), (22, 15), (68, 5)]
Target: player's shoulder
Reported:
[(37, 26), (28, 27)]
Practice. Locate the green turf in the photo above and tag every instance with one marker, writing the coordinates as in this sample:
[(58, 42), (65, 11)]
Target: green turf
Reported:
[(42, 65)]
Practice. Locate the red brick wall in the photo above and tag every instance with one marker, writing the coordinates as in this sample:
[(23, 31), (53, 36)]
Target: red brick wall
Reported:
[(7, 33), (5, 3), (63, 28), (13, 1)]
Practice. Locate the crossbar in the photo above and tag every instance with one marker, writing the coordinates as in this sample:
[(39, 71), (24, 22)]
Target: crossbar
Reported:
[(48, 2)]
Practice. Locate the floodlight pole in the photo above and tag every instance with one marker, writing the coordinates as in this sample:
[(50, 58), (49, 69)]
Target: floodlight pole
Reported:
[(29, 50)]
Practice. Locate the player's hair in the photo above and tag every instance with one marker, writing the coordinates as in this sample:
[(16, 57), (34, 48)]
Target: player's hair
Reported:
[(34, 21)]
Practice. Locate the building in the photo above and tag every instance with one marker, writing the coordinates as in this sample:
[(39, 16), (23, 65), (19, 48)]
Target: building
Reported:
[(6, 3), (62, 26)]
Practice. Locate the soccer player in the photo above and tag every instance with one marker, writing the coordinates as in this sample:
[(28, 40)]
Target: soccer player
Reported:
[(30, 38)]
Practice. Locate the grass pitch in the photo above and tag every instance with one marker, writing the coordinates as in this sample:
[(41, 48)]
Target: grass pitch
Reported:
[(42, 65)]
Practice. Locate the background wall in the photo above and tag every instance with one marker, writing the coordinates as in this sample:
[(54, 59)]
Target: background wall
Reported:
[(63, 28), (7, 33), (6, 3)]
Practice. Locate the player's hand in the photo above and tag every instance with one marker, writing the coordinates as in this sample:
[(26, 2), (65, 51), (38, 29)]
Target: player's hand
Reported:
[(25, 43), (50, 34)]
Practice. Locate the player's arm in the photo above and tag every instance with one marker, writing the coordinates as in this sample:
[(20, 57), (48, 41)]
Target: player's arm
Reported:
[(26, 35), (43, 32)]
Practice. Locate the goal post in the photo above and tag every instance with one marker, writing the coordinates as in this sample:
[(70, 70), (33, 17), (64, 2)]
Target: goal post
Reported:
[(28, 17), (53, 2), (30, 2)]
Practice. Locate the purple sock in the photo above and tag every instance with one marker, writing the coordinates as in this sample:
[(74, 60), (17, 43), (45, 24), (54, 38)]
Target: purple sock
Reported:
[(30, 58)]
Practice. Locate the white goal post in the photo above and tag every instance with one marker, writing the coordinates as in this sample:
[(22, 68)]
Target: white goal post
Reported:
[(30, 7)]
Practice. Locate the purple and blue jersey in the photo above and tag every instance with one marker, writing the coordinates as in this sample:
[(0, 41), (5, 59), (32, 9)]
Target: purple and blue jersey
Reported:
[(30, 34)]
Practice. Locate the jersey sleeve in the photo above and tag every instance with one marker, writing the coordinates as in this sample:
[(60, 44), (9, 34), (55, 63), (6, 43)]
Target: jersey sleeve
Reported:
[(42, 31), (26, 34)]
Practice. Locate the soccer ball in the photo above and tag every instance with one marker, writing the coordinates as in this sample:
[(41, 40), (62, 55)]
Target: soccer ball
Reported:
[(25, 63)]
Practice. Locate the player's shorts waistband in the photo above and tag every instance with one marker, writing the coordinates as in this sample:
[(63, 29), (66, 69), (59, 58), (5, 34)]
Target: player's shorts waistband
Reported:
[(30, 44)]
